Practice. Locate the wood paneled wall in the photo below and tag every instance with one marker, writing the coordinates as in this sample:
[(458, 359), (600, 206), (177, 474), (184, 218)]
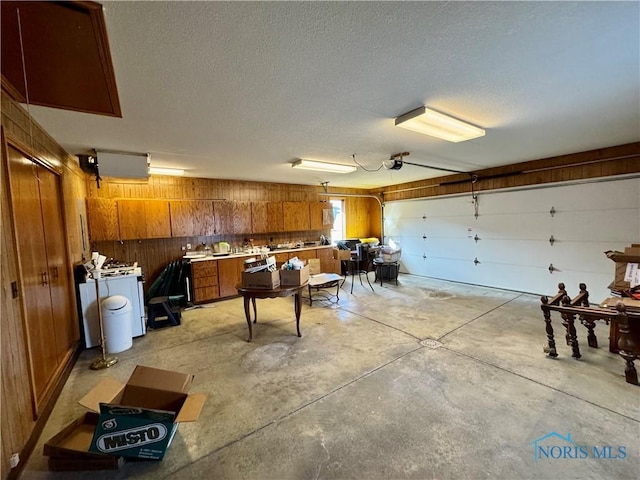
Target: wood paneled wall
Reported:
[(20, 428), (154, 254), (603, 162)]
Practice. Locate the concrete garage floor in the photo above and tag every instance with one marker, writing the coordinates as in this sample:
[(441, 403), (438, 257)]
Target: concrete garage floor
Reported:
[(366, 393)]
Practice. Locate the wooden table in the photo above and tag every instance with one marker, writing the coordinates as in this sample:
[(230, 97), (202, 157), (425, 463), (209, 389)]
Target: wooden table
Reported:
[(250, 295)]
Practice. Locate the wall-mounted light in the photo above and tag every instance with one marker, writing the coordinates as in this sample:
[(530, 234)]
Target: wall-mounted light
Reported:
[(176, 172), (429, 122), (323, 166)]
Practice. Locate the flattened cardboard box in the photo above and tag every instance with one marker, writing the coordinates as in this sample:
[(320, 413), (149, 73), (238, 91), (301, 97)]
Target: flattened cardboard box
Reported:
[(139, 419), (69, 448)]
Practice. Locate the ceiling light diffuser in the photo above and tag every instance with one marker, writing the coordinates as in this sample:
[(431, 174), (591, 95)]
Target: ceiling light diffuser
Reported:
[(177, 172), (429, 122), (323, 166)]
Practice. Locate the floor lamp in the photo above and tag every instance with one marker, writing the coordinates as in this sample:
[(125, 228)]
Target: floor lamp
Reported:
[(104, 361)]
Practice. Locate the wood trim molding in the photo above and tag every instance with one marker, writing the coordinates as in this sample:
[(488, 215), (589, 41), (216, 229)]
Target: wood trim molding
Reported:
[(603, 162)]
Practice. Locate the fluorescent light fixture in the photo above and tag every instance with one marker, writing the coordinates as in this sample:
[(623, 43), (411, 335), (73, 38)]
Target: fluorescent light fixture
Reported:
[(436, 124), (177, 172), (323, 166)]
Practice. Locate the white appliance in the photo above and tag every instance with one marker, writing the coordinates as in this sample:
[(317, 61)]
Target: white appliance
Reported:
[(129, 286)]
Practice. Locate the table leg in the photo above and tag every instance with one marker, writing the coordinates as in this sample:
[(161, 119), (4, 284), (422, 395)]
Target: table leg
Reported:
[(298, 308), (310, 299), (338, 291), (247, 314), (255, 312)]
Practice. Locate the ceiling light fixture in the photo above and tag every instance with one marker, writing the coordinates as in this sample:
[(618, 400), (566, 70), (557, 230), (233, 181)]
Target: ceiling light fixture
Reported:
[(318, 166), (430, 122), (176, 172)]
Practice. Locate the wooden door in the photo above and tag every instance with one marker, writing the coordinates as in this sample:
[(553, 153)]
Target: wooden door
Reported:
[(316, 215), (17, 411), (132, 219), (223, 217), (242, 217), (229, 275), (325, 255), (66, 330), (102, 214), (25, 198), (157, 218), (259, 217), (274, 216), (296, 216), (203, 218)]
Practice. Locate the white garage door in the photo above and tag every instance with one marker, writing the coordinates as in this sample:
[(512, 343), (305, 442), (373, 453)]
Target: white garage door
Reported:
[(519, 235)]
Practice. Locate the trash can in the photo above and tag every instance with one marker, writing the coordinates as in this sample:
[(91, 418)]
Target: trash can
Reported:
[(117, 321)]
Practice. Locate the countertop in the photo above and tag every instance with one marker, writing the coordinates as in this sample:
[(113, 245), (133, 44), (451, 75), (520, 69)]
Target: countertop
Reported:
[(218, 256)]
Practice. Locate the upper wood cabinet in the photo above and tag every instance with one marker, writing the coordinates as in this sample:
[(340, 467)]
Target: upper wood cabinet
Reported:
[(158, 218), (259, 217), (275, 217), (223, 217), (317, 217), (102, 215), (296, 216), (144, 219), (191, 218), (266, 217), (242, 217)]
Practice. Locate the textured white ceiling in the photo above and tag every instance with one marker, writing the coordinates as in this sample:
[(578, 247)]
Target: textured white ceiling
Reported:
[(239, 90)]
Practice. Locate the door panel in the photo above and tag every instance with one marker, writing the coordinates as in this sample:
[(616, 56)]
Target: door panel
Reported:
[(66, 331), (34, 270)]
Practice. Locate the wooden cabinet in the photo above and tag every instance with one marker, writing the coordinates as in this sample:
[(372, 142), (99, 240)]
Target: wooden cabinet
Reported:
[(139, 219), (232, 217), (157, 218), (303, 254), (51, 323), (275, 217), (229, 275), (223, 217), (327, 264), (281, 258), (296, 216), (205, 280), (241, 217), (259, 217), (317, 216), (102, 215), (191, 218)]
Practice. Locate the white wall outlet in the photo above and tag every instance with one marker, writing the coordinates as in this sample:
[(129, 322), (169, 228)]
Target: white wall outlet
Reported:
[(188, 246), (184, 248), (14, 460)]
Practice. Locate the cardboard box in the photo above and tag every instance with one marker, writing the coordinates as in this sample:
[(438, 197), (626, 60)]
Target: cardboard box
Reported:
[(139, 419), (292, 278), (339, 254), (69, 449), (267, 280), (630, 255)]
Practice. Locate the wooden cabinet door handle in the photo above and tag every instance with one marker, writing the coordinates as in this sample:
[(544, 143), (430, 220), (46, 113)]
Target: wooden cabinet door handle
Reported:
[(55, 273), (44, 278)]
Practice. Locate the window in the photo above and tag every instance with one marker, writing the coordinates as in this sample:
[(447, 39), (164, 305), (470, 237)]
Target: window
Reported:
[(339, 221)]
